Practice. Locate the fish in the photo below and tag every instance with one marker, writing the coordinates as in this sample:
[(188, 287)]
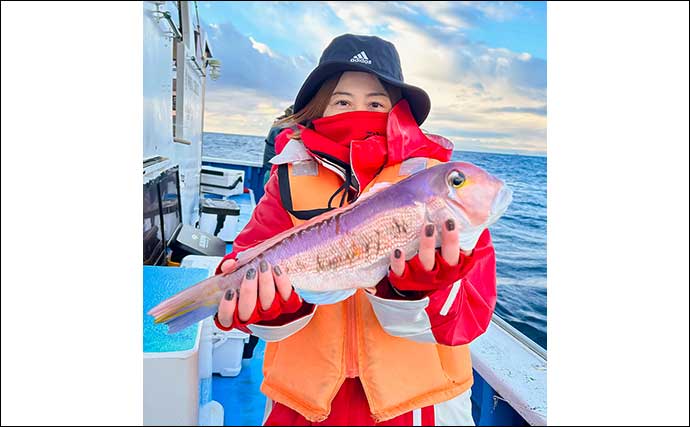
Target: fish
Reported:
[(329, 257)]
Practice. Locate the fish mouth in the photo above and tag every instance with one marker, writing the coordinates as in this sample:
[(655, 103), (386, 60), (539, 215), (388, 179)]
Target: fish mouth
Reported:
[(500, 204), (470, 234)]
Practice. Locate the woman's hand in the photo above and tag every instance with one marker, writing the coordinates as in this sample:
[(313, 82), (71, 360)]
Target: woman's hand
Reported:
[(431, 269), (450, 248), (261, 285)]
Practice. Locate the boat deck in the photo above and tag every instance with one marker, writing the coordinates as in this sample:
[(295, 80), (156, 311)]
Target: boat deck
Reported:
[(242, 401)]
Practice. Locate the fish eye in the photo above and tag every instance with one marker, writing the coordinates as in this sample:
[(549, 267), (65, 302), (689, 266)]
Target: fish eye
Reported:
[(456, 179)]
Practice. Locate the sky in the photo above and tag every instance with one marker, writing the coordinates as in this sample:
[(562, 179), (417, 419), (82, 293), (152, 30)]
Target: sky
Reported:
[(482, 63)]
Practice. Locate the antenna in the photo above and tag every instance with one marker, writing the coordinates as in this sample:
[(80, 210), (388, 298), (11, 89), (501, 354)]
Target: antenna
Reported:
[(196, 9)]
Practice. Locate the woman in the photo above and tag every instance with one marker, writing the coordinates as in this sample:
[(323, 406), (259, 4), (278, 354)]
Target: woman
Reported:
[(396, 354)]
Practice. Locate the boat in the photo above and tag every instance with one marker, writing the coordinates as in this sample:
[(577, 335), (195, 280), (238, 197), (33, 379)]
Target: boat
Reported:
[(189, 377)]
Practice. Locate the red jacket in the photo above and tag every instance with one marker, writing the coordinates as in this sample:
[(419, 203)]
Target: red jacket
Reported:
[(455, 314)]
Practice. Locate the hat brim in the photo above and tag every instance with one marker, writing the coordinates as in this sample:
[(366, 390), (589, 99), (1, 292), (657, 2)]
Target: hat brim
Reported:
[(419, 101)]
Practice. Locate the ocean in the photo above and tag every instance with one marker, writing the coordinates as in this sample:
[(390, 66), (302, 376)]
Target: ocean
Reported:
[(519, 236)]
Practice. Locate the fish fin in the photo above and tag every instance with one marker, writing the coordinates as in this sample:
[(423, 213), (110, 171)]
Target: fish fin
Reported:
[(373, 190), (249, 254), (469, 238), (323, 298)]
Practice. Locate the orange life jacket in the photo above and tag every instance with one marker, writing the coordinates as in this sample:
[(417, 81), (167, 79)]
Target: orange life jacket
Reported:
[(305, 370)]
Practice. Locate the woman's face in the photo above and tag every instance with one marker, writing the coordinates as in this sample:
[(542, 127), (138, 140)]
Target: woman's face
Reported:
[(358, 91)]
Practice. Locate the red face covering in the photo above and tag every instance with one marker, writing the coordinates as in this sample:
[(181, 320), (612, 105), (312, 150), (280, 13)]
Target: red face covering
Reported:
[(344, 128), (357, 138), (368, 141)]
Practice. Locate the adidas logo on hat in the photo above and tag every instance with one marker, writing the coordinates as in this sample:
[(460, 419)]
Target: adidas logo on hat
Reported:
[(361, 57)]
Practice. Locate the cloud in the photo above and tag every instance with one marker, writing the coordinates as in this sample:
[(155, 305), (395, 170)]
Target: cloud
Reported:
[(443, 13), (248, 64), (497, 11), (242, 111), (430, 52), (459, 15), (255, 86), (480, 94), (257, 81), (262, 48), (478, 86), (540, 111)]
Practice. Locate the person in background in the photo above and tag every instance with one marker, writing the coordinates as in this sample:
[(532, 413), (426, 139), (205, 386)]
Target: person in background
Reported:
[(269, 148)]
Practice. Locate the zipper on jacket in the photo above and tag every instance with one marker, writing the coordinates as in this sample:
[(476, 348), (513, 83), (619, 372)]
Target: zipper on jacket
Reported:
[(351, 359)]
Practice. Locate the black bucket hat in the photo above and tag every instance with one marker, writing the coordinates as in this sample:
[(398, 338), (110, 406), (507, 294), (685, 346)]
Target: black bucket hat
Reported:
[(364, 53)]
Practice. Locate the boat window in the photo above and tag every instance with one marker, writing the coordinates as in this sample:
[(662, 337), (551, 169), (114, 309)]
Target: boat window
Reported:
[(170, 202), (153, 237), (162, 214)]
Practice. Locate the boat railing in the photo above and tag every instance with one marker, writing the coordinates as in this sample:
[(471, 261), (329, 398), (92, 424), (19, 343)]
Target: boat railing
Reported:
[(522, 338), (229, 162), (254, 172), (514, 367)]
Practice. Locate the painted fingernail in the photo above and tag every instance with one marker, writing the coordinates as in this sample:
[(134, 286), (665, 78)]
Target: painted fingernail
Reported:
[(276, 270), (263, 266), (251, 273), (429, 230), (397, 253), (450, 225), (229, 294)]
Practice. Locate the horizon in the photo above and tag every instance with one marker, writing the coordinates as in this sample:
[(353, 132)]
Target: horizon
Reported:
[(507, 153), (483, 64)]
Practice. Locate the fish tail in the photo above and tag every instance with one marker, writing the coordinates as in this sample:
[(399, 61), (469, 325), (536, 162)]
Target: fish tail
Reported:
[(194, 303), (185, 320)]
